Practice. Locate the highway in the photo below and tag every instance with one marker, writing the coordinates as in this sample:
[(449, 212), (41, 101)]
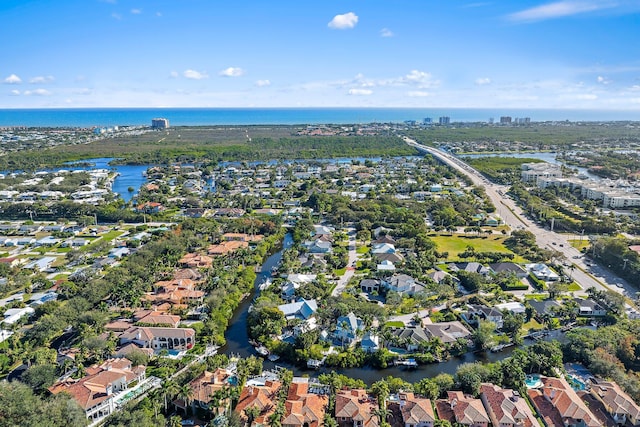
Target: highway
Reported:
[(584, 273)]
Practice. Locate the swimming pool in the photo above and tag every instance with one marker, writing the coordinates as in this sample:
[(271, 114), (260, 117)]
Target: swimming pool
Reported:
[(576, 383), (533, 381)]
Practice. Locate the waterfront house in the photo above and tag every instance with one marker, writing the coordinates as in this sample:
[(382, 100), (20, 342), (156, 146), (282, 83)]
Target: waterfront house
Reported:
[(370, 342), (192, 260), (416, 411), (477, 312), (589, 308), (559, 405), (506, 408), (355, 408), (347, 328), (302, 309), (462, 409), (447, 332)]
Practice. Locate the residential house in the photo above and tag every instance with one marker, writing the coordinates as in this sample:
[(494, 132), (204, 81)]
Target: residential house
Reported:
[(447, 332), (506, 408), (403, 284), (370, 342), (386, 265), (542, 272), (12, 315), (263, 397), (476, 312), (589, 308), (303, 408), (462, 409), (508, 268), (192, 260), (416, 411), (383, 248), (157, 318), (514, 307), (355, 408), (618, 404), (160, 338), (302, 309), (370, 285), (347, 328), (226, 247), (546, 307), (411, 338), (469, 267), (559, 405), (96, 391), (318, 246), (207, 391), (150, 207)]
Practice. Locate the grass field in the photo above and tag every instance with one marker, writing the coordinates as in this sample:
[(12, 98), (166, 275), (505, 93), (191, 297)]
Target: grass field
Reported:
[(579, 245), (458, 243)]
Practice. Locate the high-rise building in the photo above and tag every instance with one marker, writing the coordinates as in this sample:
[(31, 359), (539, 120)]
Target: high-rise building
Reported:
[(505, 120), (159, 123), (427, 120), (444, 120)]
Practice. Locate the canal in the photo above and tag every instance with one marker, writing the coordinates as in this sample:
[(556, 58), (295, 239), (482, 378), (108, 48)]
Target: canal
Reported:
[(237, 338)]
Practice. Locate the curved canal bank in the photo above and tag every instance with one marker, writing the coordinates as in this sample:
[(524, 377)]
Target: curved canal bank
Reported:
[(237, 338)]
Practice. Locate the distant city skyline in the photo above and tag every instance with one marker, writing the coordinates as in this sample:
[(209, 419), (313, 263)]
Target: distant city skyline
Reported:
[(320, 53)]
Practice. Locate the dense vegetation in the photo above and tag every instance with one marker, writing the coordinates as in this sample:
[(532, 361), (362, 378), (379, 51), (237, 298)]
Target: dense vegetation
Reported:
[(501, 170)]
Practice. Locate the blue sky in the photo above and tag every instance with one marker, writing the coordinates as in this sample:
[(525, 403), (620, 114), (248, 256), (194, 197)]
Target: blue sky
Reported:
[(320, 53)]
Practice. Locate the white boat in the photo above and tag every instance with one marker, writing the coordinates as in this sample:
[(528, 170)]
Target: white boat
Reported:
[(264, 285), (262, 351)]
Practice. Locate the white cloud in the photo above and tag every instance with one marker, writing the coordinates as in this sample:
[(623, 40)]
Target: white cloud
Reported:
[(194, 75), (13, 80), (481, 81), (41, 79), (136, 11), (232, 72), (360, 92), (116, 16), (263, 83), (174, 74), (421, 79), (158, 14), (418, 94), (345, 21), (586, 96), (560, 9), (603, 80), (15, 92), (83, 91), (635, 88), (385, 32), (37, 92)]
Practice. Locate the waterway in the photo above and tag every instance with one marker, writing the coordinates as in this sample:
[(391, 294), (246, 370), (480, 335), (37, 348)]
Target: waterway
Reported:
[(237, 338), (546, 156)]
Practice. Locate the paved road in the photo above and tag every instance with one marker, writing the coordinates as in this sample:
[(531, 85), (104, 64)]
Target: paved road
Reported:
[(586, 275), (353, 256)]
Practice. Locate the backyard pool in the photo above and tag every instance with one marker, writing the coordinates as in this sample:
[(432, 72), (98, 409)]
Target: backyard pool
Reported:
[(533, 381)]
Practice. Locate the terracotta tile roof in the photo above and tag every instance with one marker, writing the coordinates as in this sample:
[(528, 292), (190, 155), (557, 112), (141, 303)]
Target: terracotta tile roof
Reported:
[(304, 407), (242, 237), (506, 407), (564, 401), (263, 397), (196, 261), (160, 318), (356, 405), (96, 386), (226, 247)]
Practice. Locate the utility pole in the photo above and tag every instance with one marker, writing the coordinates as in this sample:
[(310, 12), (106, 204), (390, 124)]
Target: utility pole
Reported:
[(553, 221)]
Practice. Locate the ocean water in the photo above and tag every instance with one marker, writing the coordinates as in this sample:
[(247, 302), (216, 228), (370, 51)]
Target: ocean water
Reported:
[(89, 117)]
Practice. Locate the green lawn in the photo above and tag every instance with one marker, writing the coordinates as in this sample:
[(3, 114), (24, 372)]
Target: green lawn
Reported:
[(574, 287), (579, 244), (396, 324), (532, 324), (459, 242), (362, 250)]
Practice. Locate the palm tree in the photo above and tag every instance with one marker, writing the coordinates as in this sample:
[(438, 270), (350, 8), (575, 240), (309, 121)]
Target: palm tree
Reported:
[(175, 421), (251, 412), (169, 390), (185, 393)]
